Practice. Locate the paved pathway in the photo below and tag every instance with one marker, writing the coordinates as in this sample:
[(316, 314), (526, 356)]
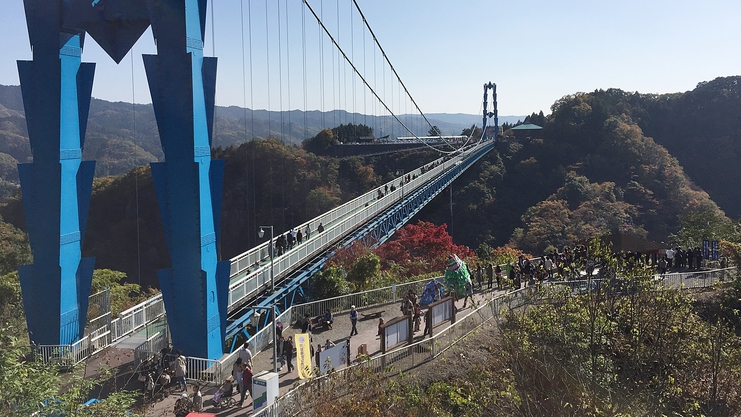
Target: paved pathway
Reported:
[(367, 334)]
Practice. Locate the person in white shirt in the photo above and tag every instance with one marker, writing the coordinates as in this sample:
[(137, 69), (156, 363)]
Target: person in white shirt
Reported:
[(246, 355), (669, 258)]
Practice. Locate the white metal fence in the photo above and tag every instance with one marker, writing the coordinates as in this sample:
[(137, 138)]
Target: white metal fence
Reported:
[(247, 279), (135, 318), (410, 356), (337, 223)]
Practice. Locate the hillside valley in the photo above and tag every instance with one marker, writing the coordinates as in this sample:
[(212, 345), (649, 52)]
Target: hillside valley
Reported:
[(606, 161)]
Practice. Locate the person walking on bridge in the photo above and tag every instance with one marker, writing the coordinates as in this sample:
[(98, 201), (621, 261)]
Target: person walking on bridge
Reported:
[(353, 320)]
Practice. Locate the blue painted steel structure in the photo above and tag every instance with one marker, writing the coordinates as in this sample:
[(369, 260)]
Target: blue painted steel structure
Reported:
[(56, 186), (489, 114), (182, 83), (378, 230)]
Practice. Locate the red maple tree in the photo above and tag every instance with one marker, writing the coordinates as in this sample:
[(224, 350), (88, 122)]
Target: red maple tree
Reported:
[(421, 248)]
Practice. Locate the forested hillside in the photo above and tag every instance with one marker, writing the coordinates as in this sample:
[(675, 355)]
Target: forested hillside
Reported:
[(121, 136), (266, 182), (594, 167), (591, 169)]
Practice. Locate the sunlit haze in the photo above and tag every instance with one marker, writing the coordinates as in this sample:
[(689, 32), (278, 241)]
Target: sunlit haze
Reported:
[(535, 51)]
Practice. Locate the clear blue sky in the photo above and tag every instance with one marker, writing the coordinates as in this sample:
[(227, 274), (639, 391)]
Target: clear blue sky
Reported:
[(535, 51)]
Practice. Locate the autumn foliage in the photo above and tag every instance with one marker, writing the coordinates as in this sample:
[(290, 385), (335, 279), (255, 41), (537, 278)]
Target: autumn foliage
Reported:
[(420, 248)]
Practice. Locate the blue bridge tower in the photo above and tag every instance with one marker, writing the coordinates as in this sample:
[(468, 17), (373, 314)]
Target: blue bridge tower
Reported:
[(182, 83), (56, 186)]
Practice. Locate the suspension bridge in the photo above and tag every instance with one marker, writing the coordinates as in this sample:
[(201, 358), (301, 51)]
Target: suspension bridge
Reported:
[(205, 300)]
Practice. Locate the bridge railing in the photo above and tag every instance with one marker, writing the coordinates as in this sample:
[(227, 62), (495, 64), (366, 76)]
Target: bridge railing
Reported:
[(361, 300), (698, 279), (337, 223), (255, 279), (410, 356), (137, 317)]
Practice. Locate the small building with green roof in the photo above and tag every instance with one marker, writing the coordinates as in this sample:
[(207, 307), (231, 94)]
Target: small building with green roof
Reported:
[(526, 130)]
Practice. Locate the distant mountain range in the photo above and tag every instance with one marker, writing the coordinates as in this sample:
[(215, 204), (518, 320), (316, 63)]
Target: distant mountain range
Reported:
[(121, 136)]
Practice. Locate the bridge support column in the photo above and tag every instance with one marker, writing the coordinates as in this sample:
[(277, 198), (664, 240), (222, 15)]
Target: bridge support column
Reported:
[(56, 186), (189, 184)]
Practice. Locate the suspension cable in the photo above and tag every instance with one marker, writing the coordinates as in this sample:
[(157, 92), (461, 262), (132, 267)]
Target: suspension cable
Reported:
[(360, 12), (364, 80)]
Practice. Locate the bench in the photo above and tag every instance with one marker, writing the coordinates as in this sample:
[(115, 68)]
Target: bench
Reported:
[(373, 315), (317, 324)]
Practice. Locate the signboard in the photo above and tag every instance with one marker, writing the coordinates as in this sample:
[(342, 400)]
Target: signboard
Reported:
[(714, 251), (705, 249), (303, 355), (265, 388), (333, 357)]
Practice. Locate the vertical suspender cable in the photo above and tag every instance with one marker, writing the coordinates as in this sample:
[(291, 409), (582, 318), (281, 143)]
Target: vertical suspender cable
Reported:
[(303, 48), (321, 65), (375, 84), (365, 90), (352, 58), (280, 72), (252, 121), (267, 61), (252, 87), (244, 124), (334, 77), (288, 69), (136, 173), (244, 71), (288, 81)]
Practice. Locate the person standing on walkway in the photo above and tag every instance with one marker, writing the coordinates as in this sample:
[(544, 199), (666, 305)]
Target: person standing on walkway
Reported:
[(288, 352), (417, 317), (180, 371), (307, 231), (469, 294), (354, 321), (320, 228), (246, 355), (428, 323), (237, 370), (489, 275), (246, 384)]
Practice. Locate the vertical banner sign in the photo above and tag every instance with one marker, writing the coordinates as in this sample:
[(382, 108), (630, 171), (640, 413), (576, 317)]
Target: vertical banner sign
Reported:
[(705, 249), (714, 252), (303, 355)]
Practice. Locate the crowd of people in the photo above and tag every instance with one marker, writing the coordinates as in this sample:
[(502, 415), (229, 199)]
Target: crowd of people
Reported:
[(293, 238)]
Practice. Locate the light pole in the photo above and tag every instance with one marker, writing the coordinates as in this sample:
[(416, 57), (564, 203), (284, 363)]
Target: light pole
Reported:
[(270, 251), (255, 319)]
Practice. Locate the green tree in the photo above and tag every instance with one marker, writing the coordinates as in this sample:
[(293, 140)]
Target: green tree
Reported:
[(695, 227), (364, 273), (349, 133), (123, 295), (473, 131), (320, 143), (434, 131), (483, 252), (14, 248), (330, 282), (28, 386)]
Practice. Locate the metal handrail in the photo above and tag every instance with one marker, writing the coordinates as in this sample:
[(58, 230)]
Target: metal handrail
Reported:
[(412, 355), (337, 222)]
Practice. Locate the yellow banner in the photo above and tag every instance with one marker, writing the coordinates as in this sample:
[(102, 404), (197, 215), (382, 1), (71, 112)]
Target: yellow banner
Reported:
[(303, 355)]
